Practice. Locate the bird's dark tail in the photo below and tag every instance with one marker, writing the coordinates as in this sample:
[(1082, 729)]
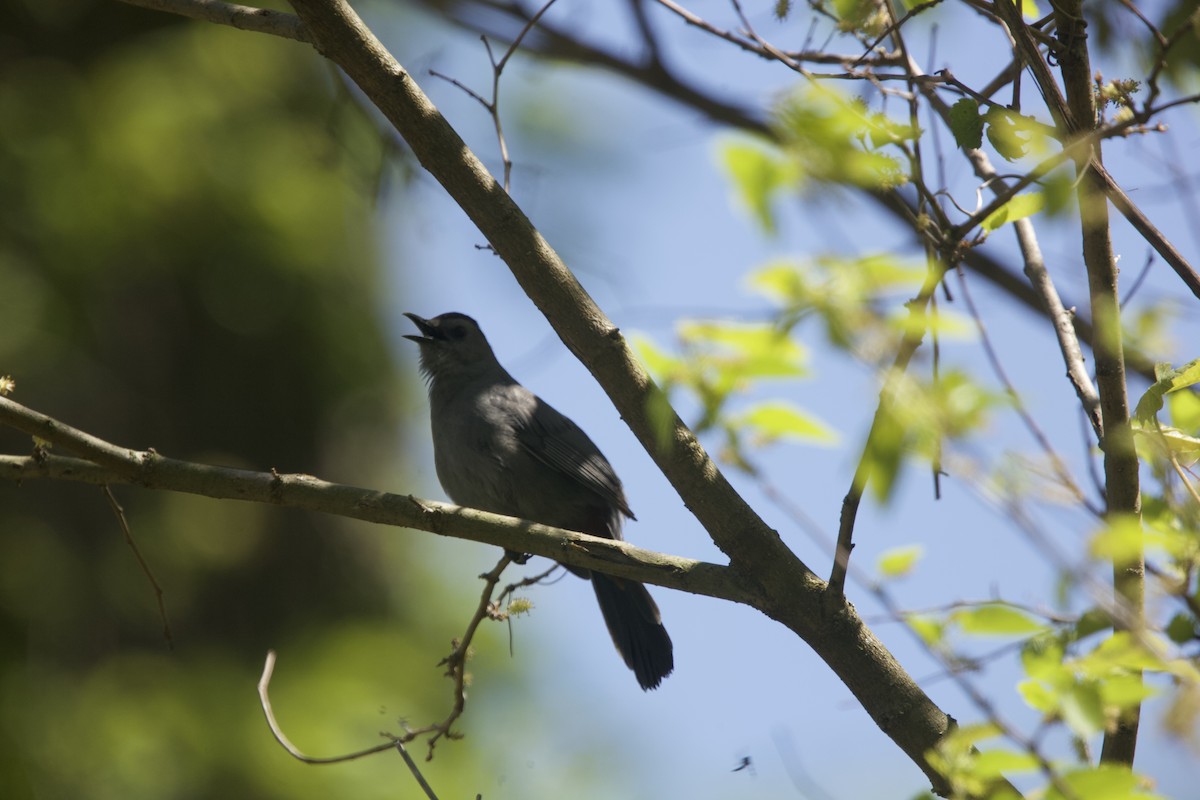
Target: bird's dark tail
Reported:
[(636, 627)]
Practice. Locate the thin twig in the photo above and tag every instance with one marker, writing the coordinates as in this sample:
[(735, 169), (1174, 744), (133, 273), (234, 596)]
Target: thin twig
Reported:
[(1063, 320), (516, 42), (1186, 29), (914, 333), (414, 769), (493, 105), (1056, 462), (1047, 614), (456, 662), (894, 25), (159, 597), (456, 669), (1070, 124), (653, 52), (474, 95), (1155, 32), (1138, 281), (1169, 455), (533, 580), (264, 697), (791, 58)]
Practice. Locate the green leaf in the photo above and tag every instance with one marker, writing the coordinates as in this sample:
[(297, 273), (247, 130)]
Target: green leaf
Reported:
[(1007, 132), (1120, 653), (822, 131), (1183, 628), (899, 561), (662, 365), (966, 124), (931, 630), (783, 282), (1125, 691), (885, 453), (996, 620), (1082, 709), (994, 763), (1185, 410), (964, 737), (946, 324), (1184, 447), (1020, 206), (882, 130), (778, 419), (1168, 380), (755, 350), (1092, 621), (1121, 540), (1042, 657), (1102, 782), (1038, 696), (880, 271), (858, 15), (757, 174)]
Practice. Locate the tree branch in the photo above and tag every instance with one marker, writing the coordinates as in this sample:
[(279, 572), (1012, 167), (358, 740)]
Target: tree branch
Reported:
[(1142, 224), (787, 590), (245, 18), (611, 557), (105, 463), (1121, 481), (1067, 111), (341, 36), (1039, 278), (913, 336)]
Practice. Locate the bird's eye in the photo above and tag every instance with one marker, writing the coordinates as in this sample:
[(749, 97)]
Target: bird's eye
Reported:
[(457, 332)]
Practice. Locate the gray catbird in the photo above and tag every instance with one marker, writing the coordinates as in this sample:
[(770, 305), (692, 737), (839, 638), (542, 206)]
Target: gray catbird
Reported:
[(498, 447)]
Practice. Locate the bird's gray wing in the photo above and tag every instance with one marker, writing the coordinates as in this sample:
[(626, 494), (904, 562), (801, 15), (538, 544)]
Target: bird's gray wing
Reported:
[(559, 443)]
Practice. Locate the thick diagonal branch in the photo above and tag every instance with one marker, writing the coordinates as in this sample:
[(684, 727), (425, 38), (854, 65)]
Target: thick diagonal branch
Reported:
[(787, 590)]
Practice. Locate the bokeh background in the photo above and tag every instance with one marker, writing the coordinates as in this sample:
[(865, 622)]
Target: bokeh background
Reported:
[(205, 247)]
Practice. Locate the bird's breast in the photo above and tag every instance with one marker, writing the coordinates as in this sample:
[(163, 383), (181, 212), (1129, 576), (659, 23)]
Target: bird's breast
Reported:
[(474, 453)]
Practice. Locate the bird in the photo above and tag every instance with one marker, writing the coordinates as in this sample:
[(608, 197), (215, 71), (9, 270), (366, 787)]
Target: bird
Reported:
[(498, 447)]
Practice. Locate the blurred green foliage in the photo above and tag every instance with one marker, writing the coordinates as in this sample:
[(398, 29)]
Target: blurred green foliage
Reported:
[(726, 366), (187, 262), (720, 363), (823, 139)]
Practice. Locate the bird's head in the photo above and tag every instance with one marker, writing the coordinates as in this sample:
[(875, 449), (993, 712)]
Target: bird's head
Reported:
[(451, 344)]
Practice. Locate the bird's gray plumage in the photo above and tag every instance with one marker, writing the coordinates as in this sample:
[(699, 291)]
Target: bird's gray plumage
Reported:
[(498, 447)]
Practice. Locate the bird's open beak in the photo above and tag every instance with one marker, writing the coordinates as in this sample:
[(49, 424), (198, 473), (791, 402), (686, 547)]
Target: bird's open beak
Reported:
[(429, 332)]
